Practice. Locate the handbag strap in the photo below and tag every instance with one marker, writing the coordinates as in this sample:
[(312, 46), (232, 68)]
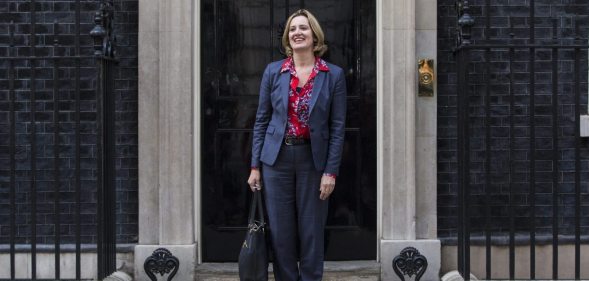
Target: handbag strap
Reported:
[(260, 207), (256, 205)]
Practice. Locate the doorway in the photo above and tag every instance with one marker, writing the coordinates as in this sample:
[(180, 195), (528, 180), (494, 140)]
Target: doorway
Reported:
[(238, 39)]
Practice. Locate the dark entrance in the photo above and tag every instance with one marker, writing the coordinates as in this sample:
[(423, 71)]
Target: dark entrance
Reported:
[(238, 39)]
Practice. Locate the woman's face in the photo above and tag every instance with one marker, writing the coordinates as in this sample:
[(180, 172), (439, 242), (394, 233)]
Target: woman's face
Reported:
[(300, 35)]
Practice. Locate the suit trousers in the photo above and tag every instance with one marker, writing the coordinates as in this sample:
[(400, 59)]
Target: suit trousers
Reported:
[(296, 214)]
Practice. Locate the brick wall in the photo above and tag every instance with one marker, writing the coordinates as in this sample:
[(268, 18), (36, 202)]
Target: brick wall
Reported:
[(512, 17), (63, 12)]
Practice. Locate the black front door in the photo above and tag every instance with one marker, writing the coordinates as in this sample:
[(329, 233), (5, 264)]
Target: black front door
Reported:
[(238, 39)]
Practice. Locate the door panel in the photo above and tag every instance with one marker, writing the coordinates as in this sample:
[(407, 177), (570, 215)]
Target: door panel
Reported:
[(238, 39)]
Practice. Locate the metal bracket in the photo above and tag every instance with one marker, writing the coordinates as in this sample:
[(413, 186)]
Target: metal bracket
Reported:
[(410, 262), (463, 24), (104, 39), (161, 261)]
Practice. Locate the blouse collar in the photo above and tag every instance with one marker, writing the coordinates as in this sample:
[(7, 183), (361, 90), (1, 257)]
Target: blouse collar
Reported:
[(288, 65)]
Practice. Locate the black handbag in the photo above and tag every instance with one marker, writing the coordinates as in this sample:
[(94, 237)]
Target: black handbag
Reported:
[(253, 257)]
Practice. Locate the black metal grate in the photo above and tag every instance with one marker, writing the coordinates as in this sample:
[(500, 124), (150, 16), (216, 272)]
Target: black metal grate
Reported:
[(522, 165), (58, 141)]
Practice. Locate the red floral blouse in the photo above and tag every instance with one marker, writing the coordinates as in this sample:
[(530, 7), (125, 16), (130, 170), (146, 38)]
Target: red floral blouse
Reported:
[(299, 99)]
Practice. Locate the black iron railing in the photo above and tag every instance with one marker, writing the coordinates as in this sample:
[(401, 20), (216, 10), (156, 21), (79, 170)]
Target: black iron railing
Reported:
[(105, 52), (520, 100), (56, 172), (521, 94)]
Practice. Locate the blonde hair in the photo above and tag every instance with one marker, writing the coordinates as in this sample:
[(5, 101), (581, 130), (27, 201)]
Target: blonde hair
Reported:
[(319, 47)]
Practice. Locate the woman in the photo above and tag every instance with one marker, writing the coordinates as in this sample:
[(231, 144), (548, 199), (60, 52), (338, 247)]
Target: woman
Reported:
[(297, 144)]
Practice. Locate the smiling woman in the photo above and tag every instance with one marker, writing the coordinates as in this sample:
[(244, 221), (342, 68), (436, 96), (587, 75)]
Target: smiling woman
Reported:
[(239, 38), (298, 146)]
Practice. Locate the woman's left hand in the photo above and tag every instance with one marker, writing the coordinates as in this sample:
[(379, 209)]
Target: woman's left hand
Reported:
[(327, 187)]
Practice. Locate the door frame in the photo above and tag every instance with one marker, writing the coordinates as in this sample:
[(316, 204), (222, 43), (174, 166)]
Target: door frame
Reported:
[(196, 90), (196, 140)]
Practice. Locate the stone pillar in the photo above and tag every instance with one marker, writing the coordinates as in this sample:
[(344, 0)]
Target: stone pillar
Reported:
[(426, 125), (166, 182), (407, 125)]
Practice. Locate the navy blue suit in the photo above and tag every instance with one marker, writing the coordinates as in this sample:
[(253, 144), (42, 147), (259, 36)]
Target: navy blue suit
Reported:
[(292, 174), (327, 119)]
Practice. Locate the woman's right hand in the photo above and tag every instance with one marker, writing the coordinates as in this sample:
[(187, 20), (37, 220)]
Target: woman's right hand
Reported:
[(255, 181)]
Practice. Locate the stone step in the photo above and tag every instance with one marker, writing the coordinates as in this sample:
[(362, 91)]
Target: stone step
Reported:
[(334, 271)]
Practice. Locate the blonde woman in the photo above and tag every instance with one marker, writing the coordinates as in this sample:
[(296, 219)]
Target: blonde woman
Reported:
[(297, 147)]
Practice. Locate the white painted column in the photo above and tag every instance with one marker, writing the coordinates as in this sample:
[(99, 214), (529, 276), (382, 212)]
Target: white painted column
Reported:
[(398, 99), (407, 134), (175, 123), (426, 125), (148, 100), (166, 166)]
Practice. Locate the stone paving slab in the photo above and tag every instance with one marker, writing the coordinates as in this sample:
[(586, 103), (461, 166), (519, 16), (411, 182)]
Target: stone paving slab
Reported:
[(334, 271)]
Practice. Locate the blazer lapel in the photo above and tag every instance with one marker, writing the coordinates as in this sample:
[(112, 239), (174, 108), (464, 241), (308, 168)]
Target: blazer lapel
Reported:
[(317, 88), (284, 88)]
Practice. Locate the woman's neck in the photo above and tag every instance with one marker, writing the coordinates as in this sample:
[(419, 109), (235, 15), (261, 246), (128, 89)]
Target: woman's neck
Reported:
[(303, 59)]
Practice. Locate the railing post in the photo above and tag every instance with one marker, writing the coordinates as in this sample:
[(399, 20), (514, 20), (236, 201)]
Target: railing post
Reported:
[(104, 46), (463, 36)]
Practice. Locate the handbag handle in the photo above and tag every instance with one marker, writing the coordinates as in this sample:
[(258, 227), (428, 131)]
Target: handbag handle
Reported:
[(256, 205)]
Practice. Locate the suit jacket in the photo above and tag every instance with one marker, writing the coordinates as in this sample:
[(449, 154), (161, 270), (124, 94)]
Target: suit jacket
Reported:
[(326, 120)]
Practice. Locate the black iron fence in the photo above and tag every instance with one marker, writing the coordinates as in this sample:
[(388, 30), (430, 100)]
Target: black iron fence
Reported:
[(105, 46), (523, 168), (57, 144)]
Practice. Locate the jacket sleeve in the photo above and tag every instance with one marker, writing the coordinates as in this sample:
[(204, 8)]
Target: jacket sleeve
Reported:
[(337, 126), (262, 117)]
